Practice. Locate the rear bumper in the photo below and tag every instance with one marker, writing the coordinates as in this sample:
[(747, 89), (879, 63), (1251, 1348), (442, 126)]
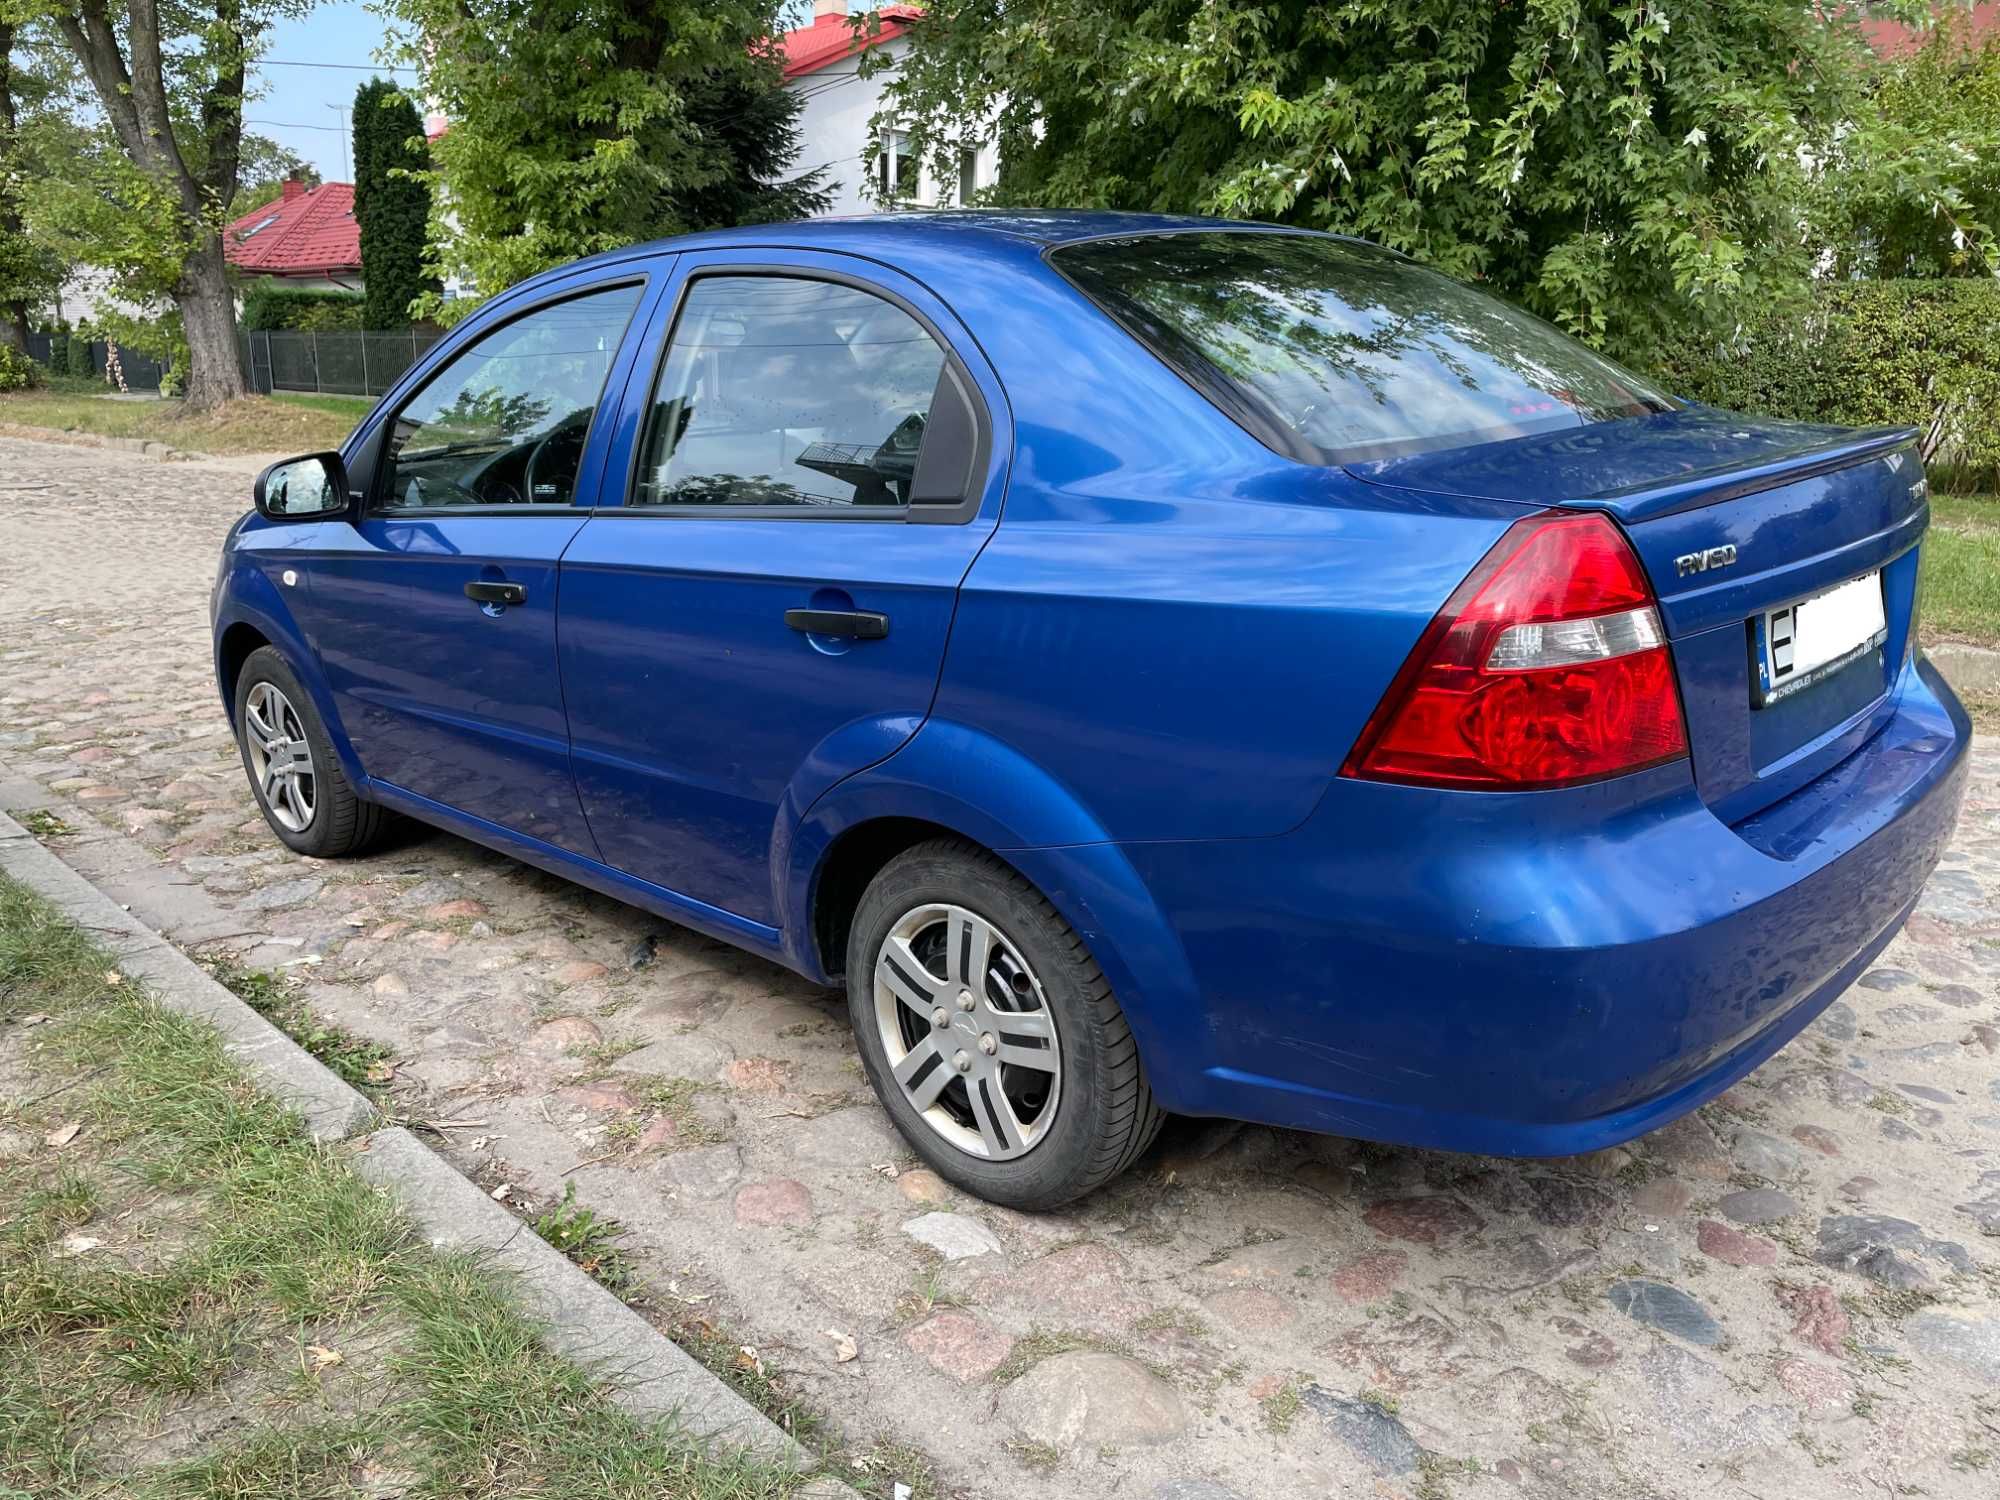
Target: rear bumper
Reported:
[(1537, 974)]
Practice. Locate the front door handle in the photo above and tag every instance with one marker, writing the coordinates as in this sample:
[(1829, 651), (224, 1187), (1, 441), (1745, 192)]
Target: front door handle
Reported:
[(496, 593), (860, 624)]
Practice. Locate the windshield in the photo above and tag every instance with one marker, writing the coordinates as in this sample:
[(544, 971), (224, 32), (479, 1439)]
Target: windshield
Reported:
[(1339, 352)]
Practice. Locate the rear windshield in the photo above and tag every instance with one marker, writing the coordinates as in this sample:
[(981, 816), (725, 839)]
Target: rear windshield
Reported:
[(1337, 352)]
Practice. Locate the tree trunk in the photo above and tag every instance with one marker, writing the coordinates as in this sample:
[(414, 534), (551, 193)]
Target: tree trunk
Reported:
[(14, 325), (208, 317)]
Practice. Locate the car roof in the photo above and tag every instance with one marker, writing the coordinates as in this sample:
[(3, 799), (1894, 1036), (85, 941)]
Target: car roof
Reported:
[(1031, 229)]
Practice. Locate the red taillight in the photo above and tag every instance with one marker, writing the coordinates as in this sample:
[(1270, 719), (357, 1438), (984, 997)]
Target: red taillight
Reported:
[(1546, 666)]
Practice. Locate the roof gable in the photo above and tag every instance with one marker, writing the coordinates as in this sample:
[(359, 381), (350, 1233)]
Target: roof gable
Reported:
[(312, 233)]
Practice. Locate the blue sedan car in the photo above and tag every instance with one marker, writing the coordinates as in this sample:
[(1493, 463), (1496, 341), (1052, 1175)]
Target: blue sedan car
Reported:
[(1152, 664)]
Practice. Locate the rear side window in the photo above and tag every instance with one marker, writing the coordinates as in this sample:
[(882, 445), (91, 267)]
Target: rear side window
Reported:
[(799, 395), (1337, 352)]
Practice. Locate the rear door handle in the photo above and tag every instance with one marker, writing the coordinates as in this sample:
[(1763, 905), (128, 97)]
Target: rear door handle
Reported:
[(496, 593), (861, 624)]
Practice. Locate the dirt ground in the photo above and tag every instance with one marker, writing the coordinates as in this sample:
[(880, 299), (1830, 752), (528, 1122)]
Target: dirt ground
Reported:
[(1795, 1292)]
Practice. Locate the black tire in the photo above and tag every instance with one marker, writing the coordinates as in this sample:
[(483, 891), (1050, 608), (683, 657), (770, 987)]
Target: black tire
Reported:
[(341, 824), (1104, 1111)]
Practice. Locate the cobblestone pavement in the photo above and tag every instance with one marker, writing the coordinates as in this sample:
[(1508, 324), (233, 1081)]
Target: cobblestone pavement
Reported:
[(1792, 1293)]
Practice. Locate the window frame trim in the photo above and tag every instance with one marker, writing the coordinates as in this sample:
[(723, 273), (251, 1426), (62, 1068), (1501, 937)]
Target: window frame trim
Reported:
[(932, 513), (372, 505)]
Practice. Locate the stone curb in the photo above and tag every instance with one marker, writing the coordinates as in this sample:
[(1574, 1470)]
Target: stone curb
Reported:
[(330, 1108), (651, 1376), (583, 1321), (1970, 669)]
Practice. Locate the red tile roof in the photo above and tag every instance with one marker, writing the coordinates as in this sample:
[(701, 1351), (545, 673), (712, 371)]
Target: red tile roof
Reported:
[(830, 39), (1892, 39), (309, 233)]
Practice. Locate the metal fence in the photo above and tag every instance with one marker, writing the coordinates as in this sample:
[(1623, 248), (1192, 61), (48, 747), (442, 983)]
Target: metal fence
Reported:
[(348, 364), (141, 372)]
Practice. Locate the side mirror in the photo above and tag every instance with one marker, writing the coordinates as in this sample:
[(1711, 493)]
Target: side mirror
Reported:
[(303, 489)]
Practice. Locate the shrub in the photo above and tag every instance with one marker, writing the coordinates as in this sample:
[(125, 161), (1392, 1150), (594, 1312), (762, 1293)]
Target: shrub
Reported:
[(1923, 354), (77, 360), (59, 351), (268, 307), (17, 371)]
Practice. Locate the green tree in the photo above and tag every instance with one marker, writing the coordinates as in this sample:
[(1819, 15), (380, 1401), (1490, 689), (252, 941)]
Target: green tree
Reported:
[(1630, 169), (265, 168), (29, 272), (582, 127), (167, 79), (392, 203), (1916, 196)]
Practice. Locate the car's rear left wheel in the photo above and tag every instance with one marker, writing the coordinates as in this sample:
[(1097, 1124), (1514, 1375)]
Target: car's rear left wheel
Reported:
[(990, 1034)]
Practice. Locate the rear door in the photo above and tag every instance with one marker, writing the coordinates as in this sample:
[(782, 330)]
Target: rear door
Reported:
[(436, 610), (761, 604)]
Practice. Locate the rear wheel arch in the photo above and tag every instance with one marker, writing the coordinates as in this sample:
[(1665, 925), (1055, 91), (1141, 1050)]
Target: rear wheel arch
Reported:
[(849, 866)]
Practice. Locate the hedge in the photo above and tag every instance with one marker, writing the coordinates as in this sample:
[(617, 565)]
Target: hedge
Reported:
[(268, 307), (1922, 354), (17, 371)]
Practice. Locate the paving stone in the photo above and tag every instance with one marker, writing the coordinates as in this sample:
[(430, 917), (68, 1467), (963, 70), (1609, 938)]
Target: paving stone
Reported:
[(567, 1031), (461, 909), (1666, 1308), (1194, 1489), (1964, 996), (286, 893), (1088, 1282), (848, 1139), (1885, 1249), (1662, 1198), (1272, 1260), (1817, 1138), (1592, 1350), (705, 1173), (1968, 1338), (580, 971), (1370, 1276), (759, 1075), (1094, 1399), (960, 1345), (1820, 1389), (1819, 1319), (1733, 1246), (1251, 1309), (922, 1185), (694, 1056), (1765, 1155), (1691, 1404), (1758, 1206), (1986, 1215), (954, 1236), (1422, 1221), (1887, 979), (777, 1201), (1376, 1437)]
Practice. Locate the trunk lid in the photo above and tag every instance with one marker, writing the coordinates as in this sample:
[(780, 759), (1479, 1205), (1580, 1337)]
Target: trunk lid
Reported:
[(1805, 509)]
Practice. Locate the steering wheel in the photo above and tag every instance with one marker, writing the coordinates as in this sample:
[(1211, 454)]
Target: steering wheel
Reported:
[(570, 435)]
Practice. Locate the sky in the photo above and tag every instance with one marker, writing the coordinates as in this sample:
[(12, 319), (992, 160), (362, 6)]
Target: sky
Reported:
[(297, 104)]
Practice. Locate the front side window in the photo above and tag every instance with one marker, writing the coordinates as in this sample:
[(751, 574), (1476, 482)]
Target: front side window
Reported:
[(1345, 352), (504, 423), (777, 391)]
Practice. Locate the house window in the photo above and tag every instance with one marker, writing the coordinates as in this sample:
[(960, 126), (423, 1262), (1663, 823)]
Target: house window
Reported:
[(968, 175), (896, 169)]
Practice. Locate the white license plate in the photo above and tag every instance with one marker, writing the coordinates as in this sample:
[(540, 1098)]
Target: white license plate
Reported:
[(1809, 641)]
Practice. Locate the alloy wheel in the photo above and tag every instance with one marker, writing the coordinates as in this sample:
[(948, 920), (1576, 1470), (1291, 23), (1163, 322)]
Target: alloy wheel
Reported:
[(970, 1038), (274, 740)]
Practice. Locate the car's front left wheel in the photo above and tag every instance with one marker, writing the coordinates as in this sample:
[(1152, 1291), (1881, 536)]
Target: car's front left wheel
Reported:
[(293, 774), (990, 1034)]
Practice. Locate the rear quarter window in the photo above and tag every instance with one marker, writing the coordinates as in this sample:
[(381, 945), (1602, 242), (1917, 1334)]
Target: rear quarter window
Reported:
[(1334, 351)]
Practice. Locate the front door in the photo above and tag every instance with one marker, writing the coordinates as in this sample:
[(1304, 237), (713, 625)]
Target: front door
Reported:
[(809, 477), (439, 605)]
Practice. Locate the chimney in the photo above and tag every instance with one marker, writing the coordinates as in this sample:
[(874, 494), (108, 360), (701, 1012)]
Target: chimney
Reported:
[(293, 187), (829, 12)]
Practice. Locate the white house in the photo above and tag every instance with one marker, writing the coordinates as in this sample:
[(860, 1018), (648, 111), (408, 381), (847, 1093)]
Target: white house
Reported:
[(822, 67)]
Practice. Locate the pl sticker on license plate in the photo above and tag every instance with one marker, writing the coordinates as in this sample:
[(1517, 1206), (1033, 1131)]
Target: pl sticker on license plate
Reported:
[(1809, 641)]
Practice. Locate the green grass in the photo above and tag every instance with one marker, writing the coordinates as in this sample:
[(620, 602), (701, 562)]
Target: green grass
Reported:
[(360, 1063), (283, 423), (1961, 570), (239, 1279)]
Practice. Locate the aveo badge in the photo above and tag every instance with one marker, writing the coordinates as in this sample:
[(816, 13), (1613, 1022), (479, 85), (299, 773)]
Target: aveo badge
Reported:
[(1706, 560)]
